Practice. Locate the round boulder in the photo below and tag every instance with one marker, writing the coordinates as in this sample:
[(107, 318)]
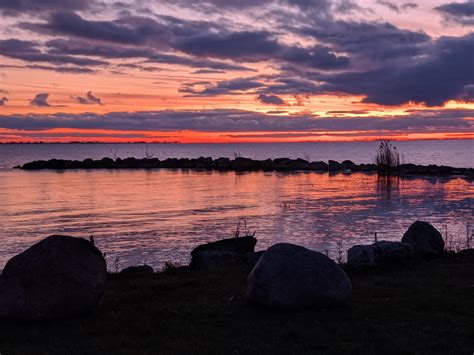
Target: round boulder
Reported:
[(289, 276), (424, 238), (58, 277)]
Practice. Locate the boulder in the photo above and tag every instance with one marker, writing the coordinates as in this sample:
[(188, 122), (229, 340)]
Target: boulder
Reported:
[(138, 269), (253, 258), (467, 254), (221, 164), (424, 238), (379, 253), (361, 255), (319, 166), (334, 165), (348, 165), (210, 260), (222, 253), (289, 276), (58, 277), (245, 164)]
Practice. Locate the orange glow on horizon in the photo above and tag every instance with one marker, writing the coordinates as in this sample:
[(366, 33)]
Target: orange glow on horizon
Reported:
[(62, 135)]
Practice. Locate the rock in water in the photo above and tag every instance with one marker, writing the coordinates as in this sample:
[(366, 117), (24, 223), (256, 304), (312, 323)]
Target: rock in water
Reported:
[(290, 277), (425, 238), (59, 277)]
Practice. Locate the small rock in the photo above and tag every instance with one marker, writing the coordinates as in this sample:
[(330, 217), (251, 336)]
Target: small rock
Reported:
[(138, 269), (379, 253)]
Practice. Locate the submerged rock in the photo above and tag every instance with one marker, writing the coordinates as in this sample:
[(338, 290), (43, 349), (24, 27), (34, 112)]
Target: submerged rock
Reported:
[(379, 253), (223, 253), (424, 238), (290, 277), (59, 277)]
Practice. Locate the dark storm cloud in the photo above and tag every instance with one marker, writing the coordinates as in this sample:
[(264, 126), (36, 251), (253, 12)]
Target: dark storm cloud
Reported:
[(3, 101), (441, 76), (28, 51), (40, 100), (196, 38), (16, 7), (89, 99), (270, 99), (238, 121), (114, 51), (127, 29), (458, 12), (258, 46), (372, 40)]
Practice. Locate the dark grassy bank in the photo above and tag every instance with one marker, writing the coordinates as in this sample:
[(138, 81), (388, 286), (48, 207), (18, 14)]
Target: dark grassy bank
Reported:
[(422, 307), (245, 164)]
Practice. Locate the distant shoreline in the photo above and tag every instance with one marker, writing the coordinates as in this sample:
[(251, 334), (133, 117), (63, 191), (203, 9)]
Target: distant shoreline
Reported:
[(223, 143)]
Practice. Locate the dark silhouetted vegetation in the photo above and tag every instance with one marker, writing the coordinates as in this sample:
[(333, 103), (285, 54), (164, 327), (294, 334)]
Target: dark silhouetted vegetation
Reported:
[(387, 155), (421, 307)]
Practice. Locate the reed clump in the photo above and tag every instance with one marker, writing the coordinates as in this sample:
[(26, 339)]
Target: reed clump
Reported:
[(387, 155)]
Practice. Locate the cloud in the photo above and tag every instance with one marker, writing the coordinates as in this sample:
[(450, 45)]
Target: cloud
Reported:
[(145, 37), (62, 69), (458, 12), (259, 46), (270, 99), (40, 100), (226, 87), (398, 8), (28, 51), (243, 121), (3, 101), (370, 42), (113, 51), (441, 76), (16, 7), (89, 99)]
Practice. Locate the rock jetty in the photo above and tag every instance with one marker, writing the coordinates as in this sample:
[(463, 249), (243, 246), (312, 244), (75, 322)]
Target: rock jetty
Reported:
[(240, 164)]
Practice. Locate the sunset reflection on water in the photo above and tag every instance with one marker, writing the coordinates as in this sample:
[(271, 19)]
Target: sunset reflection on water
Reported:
[(158, 216)]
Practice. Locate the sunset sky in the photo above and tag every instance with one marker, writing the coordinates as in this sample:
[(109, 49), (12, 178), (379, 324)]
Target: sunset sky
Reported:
[(236, 70)]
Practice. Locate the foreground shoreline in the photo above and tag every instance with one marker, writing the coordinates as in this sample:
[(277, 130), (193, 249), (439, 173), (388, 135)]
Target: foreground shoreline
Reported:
[(419, 307), (240, 164)]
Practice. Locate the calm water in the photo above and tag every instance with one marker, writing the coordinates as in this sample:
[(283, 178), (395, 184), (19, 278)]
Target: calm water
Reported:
[(158, 216), (458, 153)]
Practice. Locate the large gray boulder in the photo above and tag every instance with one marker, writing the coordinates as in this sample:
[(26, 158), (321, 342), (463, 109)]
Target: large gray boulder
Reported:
[(58, 277), (424, 238), (223, 253), (289, 276), (379, 253)]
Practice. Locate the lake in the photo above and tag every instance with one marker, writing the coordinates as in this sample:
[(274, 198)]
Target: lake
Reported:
[(158, 216)]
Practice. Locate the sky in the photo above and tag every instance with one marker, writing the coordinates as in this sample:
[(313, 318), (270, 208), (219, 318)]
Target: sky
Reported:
[(236, 70)]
